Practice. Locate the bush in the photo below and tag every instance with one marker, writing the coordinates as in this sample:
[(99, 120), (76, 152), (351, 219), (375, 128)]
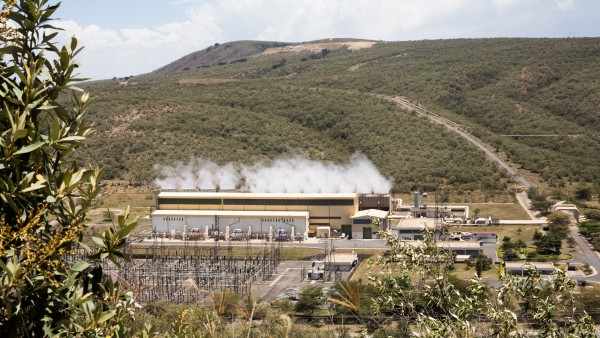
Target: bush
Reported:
[(310, 299), (510, 255), (283, 305), (548, 245)]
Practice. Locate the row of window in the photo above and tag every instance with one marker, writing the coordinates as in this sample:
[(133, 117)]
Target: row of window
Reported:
[(252, 201), (172, 219), (362, 221), (277, 220), (411, 231)]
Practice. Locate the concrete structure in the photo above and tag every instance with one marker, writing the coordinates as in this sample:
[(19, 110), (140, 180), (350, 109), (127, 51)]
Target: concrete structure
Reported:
[(485, 237), (262, 215), (362, 223), (569, 209), (340, 261), (215, 222), (541, 222), (461, 248), (421, 208), (411, 229), (441, 211), (523, 268)]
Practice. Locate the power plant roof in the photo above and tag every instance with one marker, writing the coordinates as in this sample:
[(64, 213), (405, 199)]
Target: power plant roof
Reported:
[(235, 213), (249, 195), (369, 213)]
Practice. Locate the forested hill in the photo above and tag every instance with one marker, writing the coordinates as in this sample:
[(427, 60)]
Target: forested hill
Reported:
[(536, 101), (219, 54)]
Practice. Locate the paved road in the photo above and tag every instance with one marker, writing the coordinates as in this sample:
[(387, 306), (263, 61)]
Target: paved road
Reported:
[(525, 203), (287, 276), (590, 255), (460, 131)]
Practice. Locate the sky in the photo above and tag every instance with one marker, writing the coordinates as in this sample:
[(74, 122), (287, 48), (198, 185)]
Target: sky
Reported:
[(132, 37)]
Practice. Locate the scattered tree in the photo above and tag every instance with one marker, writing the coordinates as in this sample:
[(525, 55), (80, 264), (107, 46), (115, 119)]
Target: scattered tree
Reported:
[(558, 224), (571, 242), (548, 244), (521, 245), (481, 263), (583, 193)]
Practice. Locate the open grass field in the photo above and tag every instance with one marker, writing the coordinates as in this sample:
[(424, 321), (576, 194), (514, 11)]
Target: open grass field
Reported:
[(460, 271), (121, 200), (507, 211), (515, 232)]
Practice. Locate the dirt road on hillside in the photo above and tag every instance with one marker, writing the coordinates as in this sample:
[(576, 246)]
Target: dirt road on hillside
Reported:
[(457, 128), (589, 254)]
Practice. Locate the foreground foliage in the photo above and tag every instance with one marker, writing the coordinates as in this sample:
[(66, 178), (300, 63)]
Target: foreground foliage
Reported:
[(45, 196), (414, 284)]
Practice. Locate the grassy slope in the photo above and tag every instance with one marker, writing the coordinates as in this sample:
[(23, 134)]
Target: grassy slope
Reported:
[(317, 106)]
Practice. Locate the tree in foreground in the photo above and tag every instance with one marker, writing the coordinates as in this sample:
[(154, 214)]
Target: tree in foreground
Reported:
[(435, 307), (45, 195)]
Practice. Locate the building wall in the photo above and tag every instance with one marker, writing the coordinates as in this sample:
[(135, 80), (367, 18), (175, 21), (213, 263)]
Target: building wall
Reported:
[(333, 212), (486, 237), (408, 234), (358, 230), (360, 224), (258, 225)]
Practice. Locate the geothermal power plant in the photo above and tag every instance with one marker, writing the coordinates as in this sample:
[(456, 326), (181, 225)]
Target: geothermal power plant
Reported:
[(280, 216), (221, 228)]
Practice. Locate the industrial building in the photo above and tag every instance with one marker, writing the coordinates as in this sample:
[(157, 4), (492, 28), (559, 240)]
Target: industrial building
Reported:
[(526, 268), (422, 209), (411, 229), (284, 216)]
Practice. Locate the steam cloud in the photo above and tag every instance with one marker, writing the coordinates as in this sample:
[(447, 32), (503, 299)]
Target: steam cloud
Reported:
[(296, 174)]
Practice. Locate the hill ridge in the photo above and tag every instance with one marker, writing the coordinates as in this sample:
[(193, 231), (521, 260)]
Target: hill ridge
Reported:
[(274, 104)]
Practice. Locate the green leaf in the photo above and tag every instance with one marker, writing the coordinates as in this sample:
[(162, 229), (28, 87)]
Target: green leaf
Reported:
[(35, 186), (55, 130), (29, 148), (99, 241), (72, 138), (10, 50), (20, 133), (127, 229), (106, 315), (80, 266)]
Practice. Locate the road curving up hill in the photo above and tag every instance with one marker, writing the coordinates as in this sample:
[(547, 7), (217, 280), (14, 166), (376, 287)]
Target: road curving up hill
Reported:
[(406, 104), (231, 103)]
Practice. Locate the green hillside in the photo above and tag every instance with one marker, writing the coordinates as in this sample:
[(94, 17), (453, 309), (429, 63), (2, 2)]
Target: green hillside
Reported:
[(320, 104)]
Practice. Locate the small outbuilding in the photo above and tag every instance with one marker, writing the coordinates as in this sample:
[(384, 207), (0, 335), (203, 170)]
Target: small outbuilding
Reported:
[(363, 226), (524, 268), (411, 229)]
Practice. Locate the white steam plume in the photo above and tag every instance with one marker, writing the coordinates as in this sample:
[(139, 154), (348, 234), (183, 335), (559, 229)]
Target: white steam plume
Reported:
[(202, 174), (296, 174)]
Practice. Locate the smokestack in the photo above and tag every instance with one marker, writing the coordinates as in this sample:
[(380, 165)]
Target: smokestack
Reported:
[(416, 194)]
